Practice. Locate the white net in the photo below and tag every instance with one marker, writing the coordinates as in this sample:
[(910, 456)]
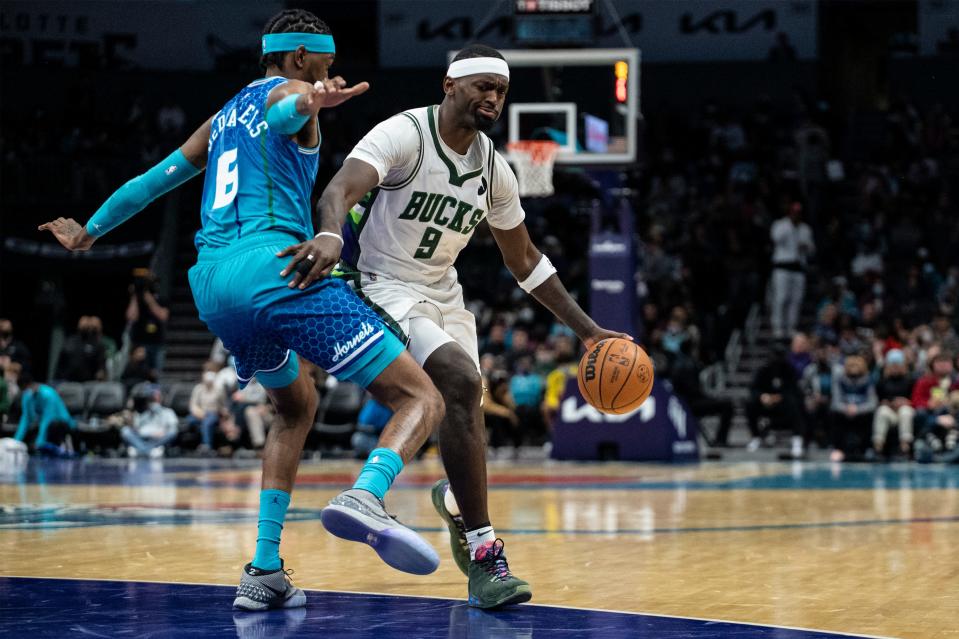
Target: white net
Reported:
[(533, 161)]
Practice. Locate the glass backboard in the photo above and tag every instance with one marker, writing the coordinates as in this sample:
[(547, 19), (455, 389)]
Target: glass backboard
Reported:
[(586, 100)]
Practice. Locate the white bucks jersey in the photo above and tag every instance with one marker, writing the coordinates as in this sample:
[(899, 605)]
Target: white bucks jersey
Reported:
[(429, 201)]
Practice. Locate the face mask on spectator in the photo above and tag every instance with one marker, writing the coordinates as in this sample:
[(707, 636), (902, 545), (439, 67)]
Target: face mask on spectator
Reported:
[(209, 377)]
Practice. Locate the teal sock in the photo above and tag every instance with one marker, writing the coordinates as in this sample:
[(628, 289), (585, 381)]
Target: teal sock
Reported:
[(381, 468), (273, 505)]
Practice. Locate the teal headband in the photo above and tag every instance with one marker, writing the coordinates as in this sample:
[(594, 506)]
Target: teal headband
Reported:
[(314, 42)]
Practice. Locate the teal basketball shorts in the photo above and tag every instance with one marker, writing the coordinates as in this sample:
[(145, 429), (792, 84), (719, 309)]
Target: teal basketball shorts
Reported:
[(264, 324)]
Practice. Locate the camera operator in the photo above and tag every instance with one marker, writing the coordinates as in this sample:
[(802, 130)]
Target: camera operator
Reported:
[(147, 318)]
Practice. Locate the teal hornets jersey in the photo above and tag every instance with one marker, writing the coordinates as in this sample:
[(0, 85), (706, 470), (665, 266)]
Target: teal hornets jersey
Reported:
[(256, 180)]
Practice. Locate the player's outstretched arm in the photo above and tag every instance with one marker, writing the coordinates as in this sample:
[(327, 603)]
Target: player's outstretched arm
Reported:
[(131, 198), (314, 259), (292, 106), (536, 276)]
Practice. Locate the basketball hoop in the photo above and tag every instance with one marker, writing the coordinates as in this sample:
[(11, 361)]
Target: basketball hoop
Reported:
[(533, 161)]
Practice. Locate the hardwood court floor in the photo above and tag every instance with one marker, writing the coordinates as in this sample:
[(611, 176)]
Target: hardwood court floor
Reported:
[(852, 549)]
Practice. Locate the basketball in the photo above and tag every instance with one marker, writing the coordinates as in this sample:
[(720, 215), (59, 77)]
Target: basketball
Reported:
[(615, 376)]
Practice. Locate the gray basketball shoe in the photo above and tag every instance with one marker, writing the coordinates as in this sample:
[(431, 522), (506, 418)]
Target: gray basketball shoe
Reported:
[(265, 589), (357, 515)]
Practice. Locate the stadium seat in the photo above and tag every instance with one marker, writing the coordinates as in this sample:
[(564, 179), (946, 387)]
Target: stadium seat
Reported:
[(74, 396), (178, 398), (336, 417), (104, 398)]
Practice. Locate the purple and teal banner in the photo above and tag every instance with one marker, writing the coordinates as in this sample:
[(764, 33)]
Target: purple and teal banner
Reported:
[(662, 429)]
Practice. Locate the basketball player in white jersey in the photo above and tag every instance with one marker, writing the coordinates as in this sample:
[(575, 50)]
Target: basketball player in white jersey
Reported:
[(427, 177)]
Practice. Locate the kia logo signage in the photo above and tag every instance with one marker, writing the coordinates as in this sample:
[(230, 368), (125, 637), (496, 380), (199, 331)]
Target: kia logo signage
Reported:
[(727, 22), (664, 30)]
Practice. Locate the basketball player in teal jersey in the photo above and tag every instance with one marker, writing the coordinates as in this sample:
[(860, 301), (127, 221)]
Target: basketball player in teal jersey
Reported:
[(262, 148), (428, 177)]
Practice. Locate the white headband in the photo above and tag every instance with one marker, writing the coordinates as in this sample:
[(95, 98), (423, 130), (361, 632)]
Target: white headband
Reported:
[(472, 66)]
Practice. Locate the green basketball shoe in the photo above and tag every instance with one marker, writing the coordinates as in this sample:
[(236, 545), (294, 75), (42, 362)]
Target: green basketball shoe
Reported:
[(491, 583), (458, 545)]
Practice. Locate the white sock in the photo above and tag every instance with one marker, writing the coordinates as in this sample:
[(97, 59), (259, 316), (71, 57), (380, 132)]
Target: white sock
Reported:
[(450, 502), (478, 537)]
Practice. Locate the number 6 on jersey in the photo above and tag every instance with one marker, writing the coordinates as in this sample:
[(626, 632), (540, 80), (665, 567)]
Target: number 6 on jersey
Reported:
[(227, 178)]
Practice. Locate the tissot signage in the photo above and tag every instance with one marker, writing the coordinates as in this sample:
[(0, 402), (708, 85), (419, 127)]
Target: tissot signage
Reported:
[(157, 35)]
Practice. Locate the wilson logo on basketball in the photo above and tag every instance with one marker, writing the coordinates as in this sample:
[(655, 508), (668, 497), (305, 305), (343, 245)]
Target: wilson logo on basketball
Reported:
[(590, 372), (621, 381)]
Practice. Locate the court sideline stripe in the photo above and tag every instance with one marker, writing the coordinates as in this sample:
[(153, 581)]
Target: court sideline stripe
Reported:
[(67, 524), (462, 602), (748, 528)]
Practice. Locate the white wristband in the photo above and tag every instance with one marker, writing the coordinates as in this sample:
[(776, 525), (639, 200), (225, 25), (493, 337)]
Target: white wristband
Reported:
[(540, 274), (337, 236)]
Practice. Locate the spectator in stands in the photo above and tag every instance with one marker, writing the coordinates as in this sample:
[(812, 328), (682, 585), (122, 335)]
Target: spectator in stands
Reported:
[(6, 398), (519, 346), (853, 404), (544, 360), (679, 331), (850, 342), (650, 319), (207, 407), (147, 317), (84, 355), (868, 259), (12, 349), (935, 418), (490, 363), (526, 387), (11, 375), (943, 332), (499, 411), (138, 369), (43, 410), (232, 435), (154, 425), (841, 297), (894, 392), (868, 322), (251, 411), (816, 385), (495, 342), (226, 376), (799, 356), (233, 422), (827, 324), (775, 395), (567, 366), (792, 247)]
